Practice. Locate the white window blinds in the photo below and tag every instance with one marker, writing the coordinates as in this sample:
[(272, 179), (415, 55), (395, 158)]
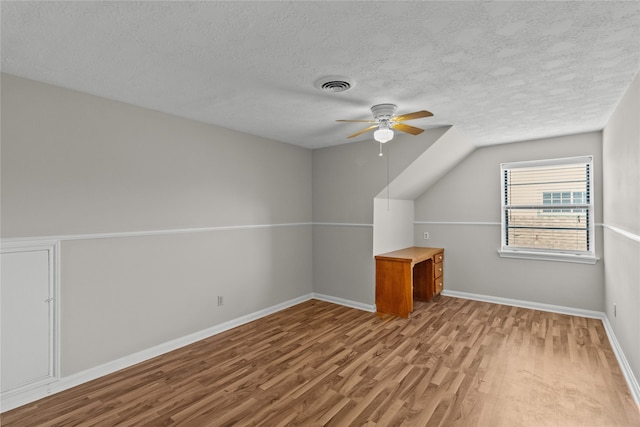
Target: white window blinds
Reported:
[(547, 206)]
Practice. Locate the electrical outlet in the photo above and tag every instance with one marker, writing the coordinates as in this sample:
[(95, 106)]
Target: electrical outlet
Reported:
[(615, 310), (220, 300), (426, 235)]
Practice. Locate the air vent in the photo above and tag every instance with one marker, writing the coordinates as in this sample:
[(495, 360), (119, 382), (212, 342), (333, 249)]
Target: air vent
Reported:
[(335, 84)]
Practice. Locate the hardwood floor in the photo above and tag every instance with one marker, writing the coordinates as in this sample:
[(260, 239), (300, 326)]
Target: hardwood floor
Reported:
[(455, 362)]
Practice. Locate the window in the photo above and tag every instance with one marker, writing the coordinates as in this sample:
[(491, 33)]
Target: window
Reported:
[(565, 197), (547, 209)]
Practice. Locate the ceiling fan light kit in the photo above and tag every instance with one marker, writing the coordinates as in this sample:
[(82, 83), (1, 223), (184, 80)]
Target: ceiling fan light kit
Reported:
[(384, 122), (383, 133)]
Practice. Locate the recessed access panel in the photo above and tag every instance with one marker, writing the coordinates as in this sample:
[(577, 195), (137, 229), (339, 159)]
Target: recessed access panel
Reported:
[(26, 310)]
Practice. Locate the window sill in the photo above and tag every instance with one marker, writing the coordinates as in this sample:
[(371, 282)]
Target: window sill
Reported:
[(547, 256)]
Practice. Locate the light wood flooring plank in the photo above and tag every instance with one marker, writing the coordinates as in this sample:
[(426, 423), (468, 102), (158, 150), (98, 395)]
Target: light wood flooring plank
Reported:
[(454, 362)]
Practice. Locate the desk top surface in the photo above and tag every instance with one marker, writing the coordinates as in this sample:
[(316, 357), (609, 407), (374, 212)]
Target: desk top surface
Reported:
[(414, 254)]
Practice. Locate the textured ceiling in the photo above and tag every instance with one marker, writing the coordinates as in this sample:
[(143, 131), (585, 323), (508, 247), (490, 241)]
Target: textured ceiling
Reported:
[(499, 71)]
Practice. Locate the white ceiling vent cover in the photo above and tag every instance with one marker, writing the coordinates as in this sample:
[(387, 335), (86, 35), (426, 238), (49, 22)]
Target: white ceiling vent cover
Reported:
[(335, 84)]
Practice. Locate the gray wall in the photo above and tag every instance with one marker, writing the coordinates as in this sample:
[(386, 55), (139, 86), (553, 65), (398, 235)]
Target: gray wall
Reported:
[(346, 178), (621, 182), (75, 165), (465, 208)]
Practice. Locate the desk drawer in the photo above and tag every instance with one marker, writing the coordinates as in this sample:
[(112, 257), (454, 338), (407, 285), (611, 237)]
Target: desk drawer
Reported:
[(439, 257), (438, 285), (437, 270)]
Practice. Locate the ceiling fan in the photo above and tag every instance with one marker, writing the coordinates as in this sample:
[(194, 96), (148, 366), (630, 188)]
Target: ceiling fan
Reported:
[(385, 122)]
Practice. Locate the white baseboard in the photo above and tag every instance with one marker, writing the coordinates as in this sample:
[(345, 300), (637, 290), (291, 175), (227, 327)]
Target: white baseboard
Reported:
[(25, 396), (345, 302), (526, 304), (632, 381)]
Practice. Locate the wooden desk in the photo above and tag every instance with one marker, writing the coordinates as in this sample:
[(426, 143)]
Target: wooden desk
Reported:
[(406, 274)]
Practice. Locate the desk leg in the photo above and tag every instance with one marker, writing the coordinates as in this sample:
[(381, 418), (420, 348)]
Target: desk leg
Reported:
[(393, 288)]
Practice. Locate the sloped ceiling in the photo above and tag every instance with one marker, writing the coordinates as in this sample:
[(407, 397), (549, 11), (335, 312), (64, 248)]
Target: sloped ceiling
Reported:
[(442, 156), (498, 71)]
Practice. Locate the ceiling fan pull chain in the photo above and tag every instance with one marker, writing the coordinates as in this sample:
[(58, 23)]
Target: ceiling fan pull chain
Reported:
[(380, 150), (388, 192)]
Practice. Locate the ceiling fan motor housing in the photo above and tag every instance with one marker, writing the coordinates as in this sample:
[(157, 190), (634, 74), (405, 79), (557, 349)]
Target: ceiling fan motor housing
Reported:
[(383, 111)]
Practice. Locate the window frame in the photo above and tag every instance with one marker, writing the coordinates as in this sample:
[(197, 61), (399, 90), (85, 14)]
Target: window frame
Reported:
[(549, 254)]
